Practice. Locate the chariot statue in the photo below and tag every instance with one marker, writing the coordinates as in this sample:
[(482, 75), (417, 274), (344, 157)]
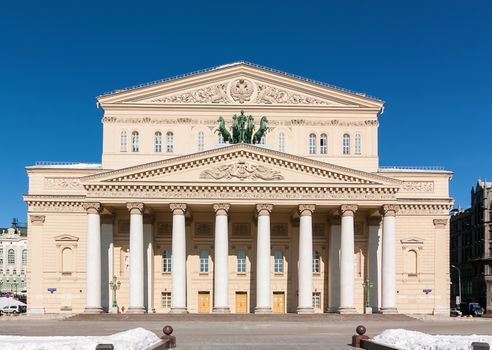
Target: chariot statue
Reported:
[(242, 129)]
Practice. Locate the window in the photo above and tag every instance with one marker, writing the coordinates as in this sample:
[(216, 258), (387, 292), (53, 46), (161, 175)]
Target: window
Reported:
[(166, 300), (158, 142), (14, 272), (241, 261), (123, 141), (24, 257), (221, 139), (317, 300), (167, 261), (170, 142), (204, 261), (201, 141), (281, 142), (315, 261), (357, 144), (346, 144), (11, 257), (1, 255), (323, 144), (312, 144), (278, 262), (67, 261), (135, 142), (263, 140)]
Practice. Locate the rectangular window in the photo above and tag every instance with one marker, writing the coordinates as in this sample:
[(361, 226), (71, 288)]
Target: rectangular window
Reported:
[(278, 262), (315, 262), (1, 255), (241, 261), (204, 261), (317, 300), (166, 300), (166, 261)]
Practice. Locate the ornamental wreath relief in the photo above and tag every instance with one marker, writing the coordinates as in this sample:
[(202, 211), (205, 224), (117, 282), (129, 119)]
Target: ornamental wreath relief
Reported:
[(242, 171)]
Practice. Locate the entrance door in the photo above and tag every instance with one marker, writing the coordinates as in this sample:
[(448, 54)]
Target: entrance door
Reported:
[(278, 302), (203, 302), (241, 302)]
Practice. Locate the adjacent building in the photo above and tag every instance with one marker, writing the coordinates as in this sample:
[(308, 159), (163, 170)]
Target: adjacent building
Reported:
[(13, 258), (189, 219), (471, 249)]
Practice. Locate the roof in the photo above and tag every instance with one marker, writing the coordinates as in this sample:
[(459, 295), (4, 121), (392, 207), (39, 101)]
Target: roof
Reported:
[(238, 63), (64, 165)]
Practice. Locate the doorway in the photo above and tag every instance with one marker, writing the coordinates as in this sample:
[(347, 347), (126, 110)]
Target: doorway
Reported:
[(203, 302), (278, 302), (241, 302)]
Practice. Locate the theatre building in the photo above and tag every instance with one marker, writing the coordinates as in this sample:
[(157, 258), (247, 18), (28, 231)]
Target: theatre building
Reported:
[(202, 205)]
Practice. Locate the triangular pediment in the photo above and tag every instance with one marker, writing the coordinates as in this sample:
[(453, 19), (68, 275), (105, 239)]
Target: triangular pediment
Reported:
[(66, 238), (240, 84), (413, 240), (240, 163)]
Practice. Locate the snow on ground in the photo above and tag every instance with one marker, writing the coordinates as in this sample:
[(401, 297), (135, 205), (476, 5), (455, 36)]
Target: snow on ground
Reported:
[(404, 339), (133, 339)]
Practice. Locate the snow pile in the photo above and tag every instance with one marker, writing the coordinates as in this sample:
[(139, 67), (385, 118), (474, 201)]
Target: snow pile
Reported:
[(404, 339), (133, 339)]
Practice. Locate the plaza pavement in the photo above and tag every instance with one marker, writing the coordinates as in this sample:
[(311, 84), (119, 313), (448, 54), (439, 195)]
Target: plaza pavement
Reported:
[(289, 331)]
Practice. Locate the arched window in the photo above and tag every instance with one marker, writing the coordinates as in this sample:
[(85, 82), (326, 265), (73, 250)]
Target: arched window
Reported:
[(158, 142), (11, 257), (1, 256), (263, 140), (312, 144), (411, 262), (204, 261), (166, 261), (221, 139), (278, 262), (135, 142), (315, 261), (346, 144), (241, 261), (67, 260), (281, 142), (323, 144), (123, 141), (201, 141), (358, 147), (170, 142), (24, 257)]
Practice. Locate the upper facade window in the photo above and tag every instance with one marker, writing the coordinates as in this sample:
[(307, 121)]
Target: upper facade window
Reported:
[(346, 144), (123, 141), (1, 256), (158, 142), (166, 261), (358, 147), (11, 257), (281, 142), (24, 257), (201, 141), (221, 139), (170, 142), (278, 262), (204, 261), (323, 144), (312, 144), (315, 261), (135, 142), (241, 261), (263, 140)]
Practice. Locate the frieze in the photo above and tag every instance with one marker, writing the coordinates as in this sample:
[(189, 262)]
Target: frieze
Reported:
[(271, 95), (418, 186), (210, 94), (62, 183), (241, 170)]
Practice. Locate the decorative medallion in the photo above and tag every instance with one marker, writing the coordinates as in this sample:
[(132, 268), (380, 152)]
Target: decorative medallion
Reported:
[(241, 170), (241, 90)]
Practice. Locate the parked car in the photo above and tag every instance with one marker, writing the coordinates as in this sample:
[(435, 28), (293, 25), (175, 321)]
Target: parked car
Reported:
[(13, 309), (454, 312), (471, 309)]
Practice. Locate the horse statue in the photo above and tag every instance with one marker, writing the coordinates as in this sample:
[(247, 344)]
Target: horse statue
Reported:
[(261, 131), (235, 130), (222, 130), (250, 128)]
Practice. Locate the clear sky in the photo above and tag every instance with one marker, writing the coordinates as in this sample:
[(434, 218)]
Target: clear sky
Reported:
[(431, 61)]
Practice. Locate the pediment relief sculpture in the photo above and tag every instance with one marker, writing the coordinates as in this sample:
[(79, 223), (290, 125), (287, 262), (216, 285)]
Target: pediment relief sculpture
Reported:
[(242, 171)]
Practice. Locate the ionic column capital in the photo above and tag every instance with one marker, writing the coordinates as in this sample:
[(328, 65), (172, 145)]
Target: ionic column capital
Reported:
[(92, 207), (306, 209), (440, 223), (178, 208), (37, 220), (348, 209), (135, 208), (221, 208), (390, 209), (264, 209)]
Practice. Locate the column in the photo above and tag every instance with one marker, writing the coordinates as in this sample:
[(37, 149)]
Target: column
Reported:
[(35, 287), (347, 274), (93, 259), (136, 304), (221, 287), (149, 257), (388, 296), (263, 261), (441, 268), (178, 262), (335, 236), (305, 279), (106, 260), (374, 261)]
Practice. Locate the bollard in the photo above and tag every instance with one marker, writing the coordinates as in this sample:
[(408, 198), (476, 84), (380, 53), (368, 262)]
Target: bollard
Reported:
[(356, 338), (169, 340), (480, 346), (104, 347)]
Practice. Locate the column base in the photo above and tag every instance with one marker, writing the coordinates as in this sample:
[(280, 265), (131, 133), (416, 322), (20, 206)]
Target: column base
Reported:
[(221, 310), (36, 311), (389, 310), (263, 310), (368, 310), (302, 310), (93, 310), (178, 310), (346, 310), (441, 311), (114, 310), (136, 310)]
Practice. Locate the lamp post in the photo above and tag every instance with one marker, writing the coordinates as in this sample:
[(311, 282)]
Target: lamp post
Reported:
[(114, 285), (367, 291), (459, 282)]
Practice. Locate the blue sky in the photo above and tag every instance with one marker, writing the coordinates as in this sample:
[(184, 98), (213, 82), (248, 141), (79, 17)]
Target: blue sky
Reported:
[(429, 60)]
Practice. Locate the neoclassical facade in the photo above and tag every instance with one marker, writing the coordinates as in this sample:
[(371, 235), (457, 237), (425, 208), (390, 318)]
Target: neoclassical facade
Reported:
[(300, 222)]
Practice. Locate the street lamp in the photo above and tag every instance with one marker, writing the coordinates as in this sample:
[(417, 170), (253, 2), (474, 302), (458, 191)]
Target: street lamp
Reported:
[(114, 285), (459, 282)]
